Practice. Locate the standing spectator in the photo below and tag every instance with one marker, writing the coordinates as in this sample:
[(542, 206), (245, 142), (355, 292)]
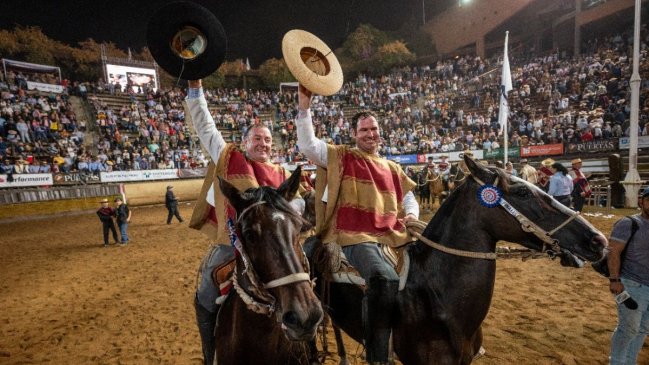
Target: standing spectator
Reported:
[(528, 173), (560, 184), (631, 275), (581, 189), (509, 168), (171, 202), (106, 214), (545, 173), (123, 218)]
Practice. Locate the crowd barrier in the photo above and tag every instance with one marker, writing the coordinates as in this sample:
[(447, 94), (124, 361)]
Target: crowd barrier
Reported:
[(12, 196)]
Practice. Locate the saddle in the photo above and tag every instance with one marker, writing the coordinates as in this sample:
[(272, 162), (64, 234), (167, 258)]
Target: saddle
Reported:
[(330, 260), (222, 278)]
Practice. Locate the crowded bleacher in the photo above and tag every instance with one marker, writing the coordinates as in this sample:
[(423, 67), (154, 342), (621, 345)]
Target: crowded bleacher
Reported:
[(444, 107)]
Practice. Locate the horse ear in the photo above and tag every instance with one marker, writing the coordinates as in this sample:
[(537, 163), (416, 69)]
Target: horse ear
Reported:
[(477, 169), (232, 194), (289, 188)]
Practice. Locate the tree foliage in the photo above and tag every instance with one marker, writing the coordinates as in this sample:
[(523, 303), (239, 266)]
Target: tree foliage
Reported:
[(274, 71), (369, 50)]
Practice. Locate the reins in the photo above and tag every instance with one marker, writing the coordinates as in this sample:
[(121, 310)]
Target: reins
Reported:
[(550, 245)]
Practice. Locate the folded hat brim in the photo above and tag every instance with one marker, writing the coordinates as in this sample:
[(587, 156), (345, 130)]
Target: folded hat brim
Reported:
[(293, 45), (172, 18)]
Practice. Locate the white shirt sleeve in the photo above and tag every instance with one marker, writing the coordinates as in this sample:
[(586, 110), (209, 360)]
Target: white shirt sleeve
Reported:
[(210, 137), (205, 128), (313, 148), (410, 205)]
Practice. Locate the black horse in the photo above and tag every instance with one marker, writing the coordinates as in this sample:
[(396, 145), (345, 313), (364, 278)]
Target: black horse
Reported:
[(274, 311), (452, 266)]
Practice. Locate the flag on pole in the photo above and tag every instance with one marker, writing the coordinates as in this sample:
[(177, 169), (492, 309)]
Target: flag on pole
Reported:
[(247, 64), (505, 87)]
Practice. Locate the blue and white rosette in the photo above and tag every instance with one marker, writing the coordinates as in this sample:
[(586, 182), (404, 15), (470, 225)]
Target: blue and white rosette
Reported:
[(489, 195)]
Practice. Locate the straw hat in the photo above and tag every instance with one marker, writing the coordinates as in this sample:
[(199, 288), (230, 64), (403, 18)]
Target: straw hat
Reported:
[(312, 62), (576, 161), (104, 200), (547, 162)]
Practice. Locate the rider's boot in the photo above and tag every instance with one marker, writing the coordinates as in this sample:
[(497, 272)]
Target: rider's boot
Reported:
[(378, 312), (206, 321)]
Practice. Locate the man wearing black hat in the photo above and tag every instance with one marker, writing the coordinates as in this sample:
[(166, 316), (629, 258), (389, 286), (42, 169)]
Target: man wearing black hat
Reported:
[(171, 202), (628, 264)]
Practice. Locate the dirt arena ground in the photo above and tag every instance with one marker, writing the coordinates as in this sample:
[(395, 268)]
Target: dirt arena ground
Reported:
[(66, 300)]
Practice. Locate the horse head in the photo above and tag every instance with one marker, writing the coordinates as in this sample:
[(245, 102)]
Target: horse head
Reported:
[(527, 215), (271, 263)]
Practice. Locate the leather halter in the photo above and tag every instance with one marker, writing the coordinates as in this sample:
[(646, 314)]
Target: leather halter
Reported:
[(253, 303), (550, 245)]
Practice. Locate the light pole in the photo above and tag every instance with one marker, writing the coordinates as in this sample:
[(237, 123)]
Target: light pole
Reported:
[(423, 11), (632, 180)]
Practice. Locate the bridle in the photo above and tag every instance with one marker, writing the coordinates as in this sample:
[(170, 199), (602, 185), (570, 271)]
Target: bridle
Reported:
[(550, 247), (550, 244), (256, 295)]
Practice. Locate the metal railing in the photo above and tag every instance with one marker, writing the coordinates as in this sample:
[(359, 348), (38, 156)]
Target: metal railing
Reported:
[(600, 197)]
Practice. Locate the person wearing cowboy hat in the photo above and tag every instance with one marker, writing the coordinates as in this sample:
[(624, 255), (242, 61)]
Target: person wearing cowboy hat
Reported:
[(581, 189), (245, 168), (106, 214), (344, 221), (545, 173), (528, 173)]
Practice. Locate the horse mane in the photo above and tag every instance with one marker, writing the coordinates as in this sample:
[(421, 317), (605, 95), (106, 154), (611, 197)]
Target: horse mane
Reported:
[(446, 209)]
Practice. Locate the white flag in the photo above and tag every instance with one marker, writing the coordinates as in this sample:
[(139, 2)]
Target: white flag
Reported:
[(505, 87), (247, 64)]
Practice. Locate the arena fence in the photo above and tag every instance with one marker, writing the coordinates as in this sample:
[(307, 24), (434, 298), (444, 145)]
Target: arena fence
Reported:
[(12, 196)]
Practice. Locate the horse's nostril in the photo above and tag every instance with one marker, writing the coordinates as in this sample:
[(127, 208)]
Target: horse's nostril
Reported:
[(290, 319)]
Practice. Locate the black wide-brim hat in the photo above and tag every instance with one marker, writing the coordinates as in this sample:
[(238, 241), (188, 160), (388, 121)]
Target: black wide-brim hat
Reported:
[(174, 17)]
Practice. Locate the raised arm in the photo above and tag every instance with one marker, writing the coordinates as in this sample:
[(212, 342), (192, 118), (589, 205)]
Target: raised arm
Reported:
[(313, 148), (202, 120)]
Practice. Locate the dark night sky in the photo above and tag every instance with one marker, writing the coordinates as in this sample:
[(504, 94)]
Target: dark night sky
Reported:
[(254, 28)]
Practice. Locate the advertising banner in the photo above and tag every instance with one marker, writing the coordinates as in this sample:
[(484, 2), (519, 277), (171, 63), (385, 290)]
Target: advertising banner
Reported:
[(192, 173), (625, 142), (403, 159), (48, 88), (452, 156), (21, 180), (593, 146), (542, 150), (138, 175), (499, 153), (75, 178)]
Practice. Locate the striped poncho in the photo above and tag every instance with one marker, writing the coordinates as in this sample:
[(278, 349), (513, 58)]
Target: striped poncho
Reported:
[(243, 173), (364, 201)]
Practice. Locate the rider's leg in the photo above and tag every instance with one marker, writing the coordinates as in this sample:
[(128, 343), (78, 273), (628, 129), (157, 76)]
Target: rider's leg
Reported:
[(205, 301), (380, 298)]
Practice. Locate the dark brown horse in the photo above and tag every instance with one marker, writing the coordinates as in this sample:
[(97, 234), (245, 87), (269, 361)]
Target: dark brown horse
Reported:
[(273, 311), (452, 266)]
